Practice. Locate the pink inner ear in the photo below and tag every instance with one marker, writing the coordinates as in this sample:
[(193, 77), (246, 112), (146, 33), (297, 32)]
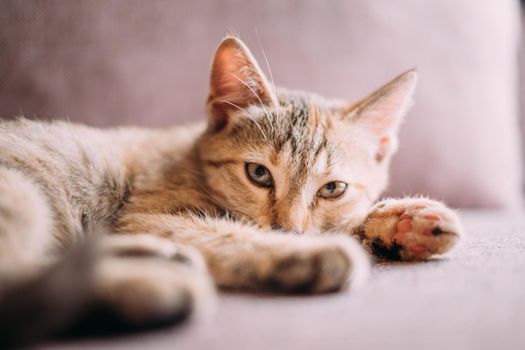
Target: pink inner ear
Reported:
[(382, 118), (226, 78), (236, 76), (383, 110), (382, 150), (236, 83)]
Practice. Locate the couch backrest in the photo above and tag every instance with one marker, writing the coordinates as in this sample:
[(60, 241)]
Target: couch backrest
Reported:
[(146, 63)]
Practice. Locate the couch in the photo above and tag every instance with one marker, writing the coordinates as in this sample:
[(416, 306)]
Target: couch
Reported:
[(130, 62)]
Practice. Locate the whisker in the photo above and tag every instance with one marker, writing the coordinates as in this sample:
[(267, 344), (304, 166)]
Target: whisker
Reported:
[(248, 115), (21, 112), (266, 60), (257, 96), (269, 71)]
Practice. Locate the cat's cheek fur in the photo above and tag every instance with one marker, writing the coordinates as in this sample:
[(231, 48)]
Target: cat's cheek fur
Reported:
[(237, 196)]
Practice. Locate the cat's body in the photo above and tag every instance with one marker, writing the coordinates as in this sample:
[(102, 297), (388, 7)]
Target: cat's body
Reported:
[(267, 163), (88, 173)]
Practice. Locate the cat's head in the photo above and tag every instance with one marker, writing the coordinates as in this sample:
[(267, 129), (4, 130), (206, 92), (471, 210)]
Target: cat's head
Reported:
[(292, 160)]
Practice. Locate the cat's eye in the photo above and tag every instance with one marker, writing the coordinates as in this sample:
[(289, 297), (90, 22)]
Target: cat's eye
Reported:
[(259, 174), (332, 189)]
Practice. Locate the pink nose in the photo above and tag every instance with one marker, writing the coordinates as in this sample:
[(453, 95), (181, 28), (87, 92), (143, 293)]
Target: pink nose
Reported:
[(290, 220)]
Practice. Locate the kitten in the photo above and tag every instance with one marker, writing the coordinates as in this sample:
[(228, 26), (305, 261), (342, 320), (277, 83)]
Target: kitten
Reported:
[(272, 194)]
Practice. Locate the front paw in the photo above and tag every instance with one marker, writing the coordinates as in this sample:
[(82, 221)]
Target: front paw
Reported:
[(292, 264), (318, 265), (411, 229)]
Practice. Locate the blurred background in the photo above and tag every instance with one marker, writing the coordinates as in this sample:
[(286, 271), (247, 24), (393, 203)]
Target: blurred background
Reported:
[(131, 62)]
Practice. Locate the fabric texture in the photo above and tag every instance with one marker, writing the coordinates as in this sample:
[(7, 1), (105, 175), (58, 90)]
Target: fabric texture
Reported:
[(147, 63), (472, 299)]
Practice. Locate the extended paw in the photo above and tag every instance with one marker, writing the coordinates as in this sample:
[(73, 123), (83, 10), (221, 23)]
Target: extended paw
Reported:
[(141, 281), (411, 229), (317, 265)]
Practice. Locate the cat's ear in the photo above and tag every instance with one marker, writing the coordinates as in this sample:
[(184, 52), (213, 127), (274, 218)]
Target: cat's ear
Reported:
[(236, 83), (382, 112)]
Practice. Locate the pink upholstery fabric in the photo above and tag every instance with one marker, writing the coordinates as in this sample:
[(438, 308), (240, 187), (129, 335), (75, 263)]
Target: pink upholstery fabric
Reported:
[(146, 63)]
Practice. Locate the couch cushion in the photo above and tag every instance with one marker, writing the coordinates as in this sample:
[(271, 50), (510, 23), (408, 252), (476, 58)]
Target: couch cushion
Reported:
[(146, 63), (475, 299)]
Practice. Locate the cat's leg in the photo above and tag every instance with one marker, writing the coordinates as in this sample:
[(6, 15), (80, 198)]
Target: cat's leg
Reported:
[(246, 257), (26, 226), (134, 280), (410, 229), (27, 252), (112, 283)]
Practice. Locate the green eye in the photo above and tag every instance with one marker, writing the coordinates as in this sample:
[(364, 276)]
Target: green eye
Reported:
[(332, 189), (259, 174)]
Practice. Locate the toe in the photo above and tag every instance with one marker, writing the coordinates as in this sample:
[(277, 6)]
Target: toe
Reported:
[(432, 217), (404, 225)]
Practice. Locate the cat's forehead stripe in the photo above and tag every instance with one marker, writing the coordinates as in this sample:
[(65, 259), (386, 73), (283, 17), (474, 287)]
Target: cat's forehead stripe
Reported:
[(306, 136), (297, 134)]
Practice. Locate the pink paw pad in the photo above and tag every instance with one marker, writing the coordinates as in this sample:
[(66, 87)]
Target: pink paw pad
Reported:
[(417, 248), (404, 225), (415, 230)]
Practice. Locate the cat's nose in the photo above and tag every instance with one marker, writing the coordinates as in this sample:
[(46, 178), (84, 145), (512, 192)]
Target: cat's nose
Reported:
[(290, 219)]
